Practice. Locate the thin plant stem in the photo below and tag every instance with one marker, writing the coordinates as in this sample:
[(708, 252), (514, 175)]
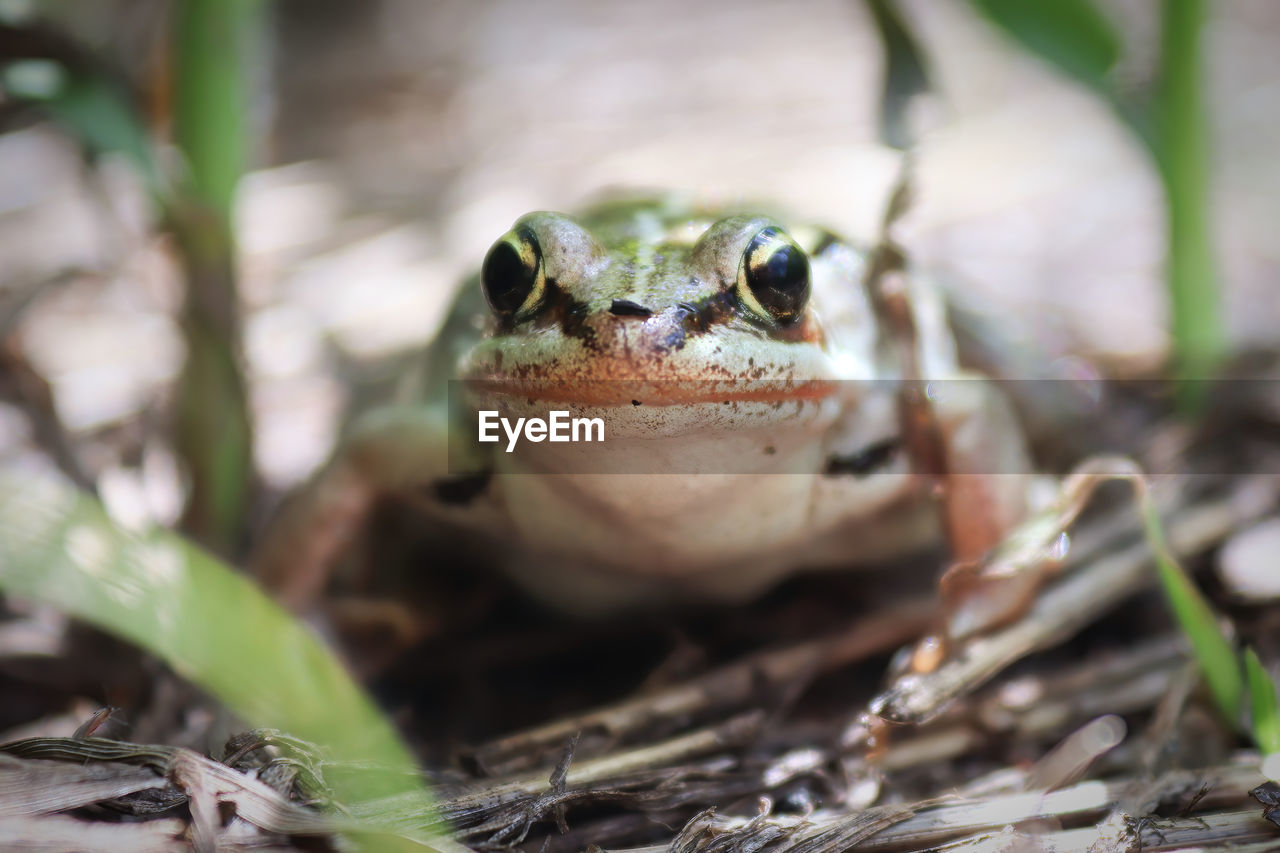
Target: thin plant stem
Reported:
[(212, 40), (1181, 148)]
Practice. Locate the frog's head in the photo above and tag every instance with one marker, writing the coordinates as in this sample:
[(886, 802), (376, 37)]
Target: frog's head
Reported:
[(691, 307)]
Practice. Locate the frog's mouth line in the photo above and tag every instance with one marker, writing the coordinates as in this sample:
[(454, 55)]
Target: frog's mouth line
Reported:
[(673, 392)]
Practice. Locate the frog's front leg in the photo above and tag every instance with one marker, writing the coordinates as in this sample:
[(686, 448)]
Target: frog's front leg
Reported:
[(987, 491), (390, 450), (959, 431), (985, 474), (965, 444)]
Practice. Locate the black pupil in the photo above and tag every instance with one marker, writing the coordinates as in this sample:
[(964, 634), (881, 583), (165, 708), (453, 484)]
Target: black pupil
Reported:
[(507, 280), (781, 282)]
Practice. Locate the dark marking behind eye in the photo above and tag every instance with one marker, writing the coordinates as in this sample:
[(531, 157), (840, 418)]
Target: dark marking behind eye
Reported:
[(627, 308), (864, 462), (572, 316), (698, 317)]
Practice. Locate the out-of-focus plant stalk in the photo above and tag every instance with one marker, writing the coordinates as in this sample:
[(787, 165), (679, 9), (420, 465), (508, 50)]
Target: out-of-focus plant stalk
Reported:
[(1075, 37), (1181, 148), (211, 44)]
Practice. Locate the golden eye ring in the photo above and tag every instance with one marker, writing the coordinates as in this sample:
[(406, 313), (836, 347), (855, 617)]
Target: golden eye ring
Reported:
[(512, 276), (773, 281)]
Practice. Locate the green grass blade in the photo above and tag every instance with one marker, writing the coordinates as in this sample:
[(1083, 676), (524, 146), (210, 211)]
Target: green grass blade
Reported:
[(1181, 148), (1071, 35), (1264, 705), (1172, 123), (215, 42), (1213, 650), (214, 54), (207, 621)]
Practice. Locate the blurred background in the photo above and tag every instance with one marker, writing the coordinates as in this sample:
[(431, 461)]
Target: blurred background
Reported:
[(225, 225), (386, 143)]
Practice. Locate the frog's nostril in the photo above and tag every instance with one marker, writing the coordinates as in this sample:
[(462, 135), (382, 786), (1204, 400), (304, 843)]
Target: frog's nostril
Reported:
[(627, 308)]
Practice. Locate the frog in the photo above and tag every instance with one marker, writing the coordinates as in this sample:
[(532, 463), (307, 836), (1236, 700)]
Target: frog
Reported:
[(749, 379)]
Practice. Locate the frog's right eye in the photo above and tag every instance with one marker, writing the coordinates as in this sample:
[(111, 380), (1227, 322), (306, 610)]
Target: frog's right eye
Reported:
[(512, 275), (774, 279)]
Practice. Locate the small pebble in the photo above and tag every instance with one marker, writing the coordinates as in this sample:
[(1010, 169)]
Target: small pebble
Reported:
[(1249, 564)]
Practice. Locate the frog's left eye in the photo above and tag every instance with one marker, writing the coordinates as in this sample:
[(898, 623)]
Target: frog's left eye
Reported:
[(774, 279), (512, 275)]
